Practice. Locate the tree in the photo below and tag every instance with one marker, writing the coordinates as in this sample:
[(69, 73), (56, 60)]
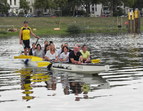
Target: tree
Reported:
[(113, 6), (40, 5), (74, 4), (88, 3), (59, 6), (60, 3), (24, 5), (130, 3), (138, 4), (4, 7)]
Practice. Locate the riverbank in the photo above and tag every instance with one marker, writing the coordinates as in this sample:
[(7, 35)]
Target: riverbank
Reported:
[(44, 26)]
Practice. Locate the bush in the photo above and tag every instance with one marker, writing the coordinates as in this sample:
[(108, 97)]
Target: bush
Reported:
[(73, 29), (21, 14), (3, 32)]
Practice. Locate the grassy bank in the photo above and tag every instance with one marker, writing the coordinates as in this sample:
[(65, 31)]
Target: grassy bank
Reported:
[(44, 25)]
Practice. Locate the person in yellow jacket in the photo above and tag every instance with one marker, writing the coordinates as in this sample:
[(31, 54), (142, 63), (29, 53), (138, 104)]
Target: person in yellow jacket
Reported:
[(24, 36), (85, 54)]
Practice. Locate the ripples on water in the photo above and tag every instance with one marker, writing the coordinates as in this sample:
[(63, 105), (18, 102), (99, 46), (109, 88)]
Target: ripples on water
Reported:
[(23, 88)]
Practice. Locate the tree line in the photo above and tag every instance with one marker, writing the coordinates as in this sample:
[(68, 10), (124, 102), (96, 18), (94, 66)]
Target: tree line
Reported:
[(4, 7), (70, 7)]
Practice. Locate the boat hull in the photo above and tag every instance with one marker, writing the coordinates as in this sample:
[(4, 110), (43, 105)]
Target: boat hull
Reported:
[(84, 68), (77, 68)]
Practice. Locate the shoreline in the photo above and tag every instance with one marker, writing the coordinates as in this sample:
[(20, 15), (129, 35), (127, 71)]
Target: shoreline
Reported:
[(44, 26), (64, 33)]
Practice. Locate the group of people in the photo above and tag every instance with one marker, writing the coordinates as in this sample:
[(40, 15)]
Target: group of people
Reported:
[(48, 52), (77, 55)]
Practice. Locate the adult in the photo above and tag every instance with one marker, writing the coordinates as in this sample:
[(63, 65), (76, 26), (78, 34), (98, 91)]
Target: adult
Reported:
[(66, 44), (75, 56), (52, 54), (60, 50), (33, 49), (47, 48), (85, 54), (24, 36), (45, 44), (39, 52), (64, 56)]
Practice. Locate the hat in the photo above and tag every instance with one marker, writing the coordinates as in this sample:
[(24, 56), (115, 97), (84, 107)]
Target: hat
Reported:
[(25, 22)]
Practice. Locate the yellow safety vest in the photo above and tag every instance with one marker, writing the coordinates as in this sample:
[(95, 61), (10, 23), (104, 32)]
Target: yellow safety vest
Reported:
[(136, 14), (26, 33), (129, 15)]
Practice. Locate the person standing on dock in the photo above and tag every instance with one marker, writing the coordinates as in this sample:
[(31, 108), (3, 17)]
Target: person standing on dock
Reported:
[(24, 36)]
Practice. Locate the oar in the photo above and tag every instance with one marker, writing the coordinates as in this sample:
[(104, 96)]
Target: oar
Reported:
[(23, 57), (36, 41), (95, 60), (42, 64), (34, 58)]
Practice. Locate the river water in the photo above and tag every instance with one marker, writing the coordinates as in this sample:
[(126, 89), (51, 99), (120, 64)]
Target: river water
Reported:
[(23, 88)]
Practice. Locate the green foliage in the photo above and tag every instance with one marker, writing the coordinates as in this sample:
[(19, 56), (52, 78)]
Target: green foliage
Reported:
[(113, 4), (118, 12), (74, 29), (138, 4), (21, 14), (4, 7), (87, 4), (45, 25), (43, 4), (130, 3), (3, 32), (24, 5), (60, 3), (70, 7)]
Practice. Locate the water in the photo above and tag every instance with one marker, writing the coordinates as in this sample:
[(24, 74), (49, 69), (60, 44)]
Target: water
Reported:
[(28, 89)]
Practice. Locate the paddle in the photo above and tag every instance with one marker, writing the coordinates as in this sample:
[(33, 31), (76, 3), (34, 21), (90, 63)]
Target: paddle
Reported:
[(23, 57), (34, 58), (95, 61), (36, 41), (42, 64)]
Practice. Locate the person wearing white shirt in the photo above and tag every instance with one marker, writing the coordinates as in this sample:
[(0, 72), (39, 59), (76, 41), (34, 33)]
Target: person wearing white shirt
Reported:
[(64, 56), (52, 54), (39, 52)]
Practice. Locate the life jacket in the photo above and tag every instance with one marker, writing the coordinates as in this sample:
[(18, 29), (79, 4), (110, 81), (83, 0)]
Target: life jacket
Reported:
[(25, 33)]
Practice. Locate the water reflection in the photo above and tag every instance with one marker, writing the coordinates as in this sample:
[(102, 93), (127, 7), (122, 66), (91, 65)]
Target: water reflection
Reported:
[(71, 83), (39, 87), (29, 77), (26, 83)]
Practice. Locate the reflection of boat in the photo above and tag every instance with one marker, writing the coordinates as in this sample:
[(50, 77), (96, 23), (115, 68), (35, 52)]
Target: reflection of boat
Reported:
[(34, 79), (81, 83), (82, 68)]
